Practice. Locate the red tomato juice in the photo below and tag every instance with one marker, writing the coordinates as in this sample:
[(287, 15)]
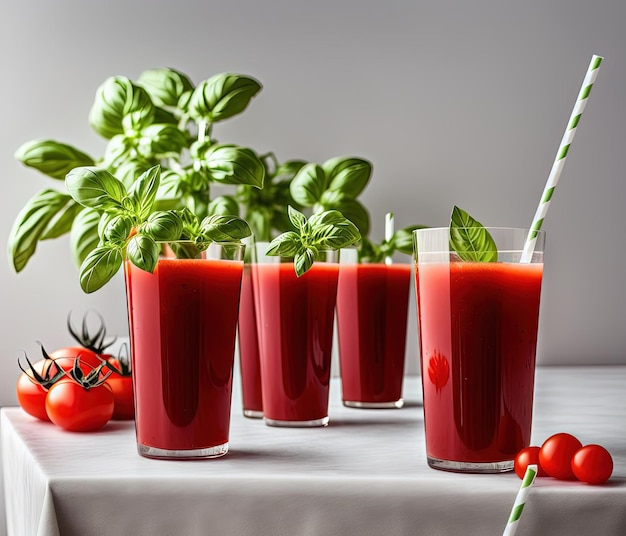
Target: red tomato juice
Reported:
[(183, 319), (372, 303), (296, 335), (249, 359), (478, 333)]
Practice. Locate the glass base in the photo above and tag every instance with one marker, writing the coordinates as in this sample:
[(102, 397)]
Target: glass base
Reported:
[(297, 424), (252, 414), (187, 454), (470, 467), (397, 404)]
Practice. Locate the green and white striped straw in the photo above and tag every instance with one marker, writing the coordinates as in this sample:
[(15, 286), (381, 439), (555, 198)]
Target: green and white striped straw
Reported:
[(520, 500), (559, 162)]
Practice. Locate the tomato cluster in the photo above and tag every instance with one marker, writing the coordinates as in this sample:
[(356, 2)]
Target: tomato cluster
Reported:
[(564, 457), (76, 389)]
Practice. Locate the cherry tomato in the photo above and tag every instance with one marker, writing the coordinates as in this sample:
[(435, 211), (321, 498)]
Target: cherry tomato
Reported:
[(556, 453), (122, 387), (31, 397), (70, 353), (526, 457), (592, 464), (72, 407)]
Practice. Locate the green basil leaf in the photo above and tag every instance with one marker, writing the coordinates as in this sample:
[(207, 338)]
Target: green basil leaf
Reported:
[(187, 250), (328, 217), (143, 192), (334, 232), (116, 99), (118, 151), (161, 141), (470, 240), (304, 259), (289, 169), (95, 187), (225, 205), (229, 164), (84, 236), (351, 209), (170, 187), (298, 220), (165, 86), (285, 245), (143, 252), (52, 158), (403, 239), (222, 96), (117, 230), (308, 185), (31, 223), (164, 225), (62, 221), (347, 175), (130, 170), (219, 228), (98, 268)]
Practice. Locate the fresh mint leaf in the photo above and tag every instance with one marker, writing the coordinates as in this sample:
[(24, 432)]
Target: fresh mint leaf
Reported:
[(469, 239)]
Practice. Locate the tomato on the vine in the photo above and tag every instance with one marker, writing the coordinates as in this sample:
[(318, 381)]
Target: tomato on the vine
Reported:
[(526, 457), (72, 407), (33, 384), (68, 354), (122, 387), (556, 453), (31, 397), (592, 464)]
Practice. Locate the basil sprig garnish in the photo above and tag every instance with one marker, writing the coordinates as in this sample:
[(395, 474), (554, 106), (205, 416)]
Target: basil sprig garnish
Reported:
[(469, 239), (130, 227), (328, 230), (161, 119)]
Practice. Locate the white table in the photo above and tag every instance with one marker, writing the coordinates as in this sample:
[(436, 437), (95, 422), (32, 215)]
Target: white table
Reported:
[(365, 474)]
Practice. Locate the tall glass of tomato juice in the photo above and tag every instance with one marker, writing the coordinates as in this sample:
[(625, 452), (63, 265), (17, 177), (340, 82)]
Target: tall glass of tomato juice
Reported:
[(249, 354), (183, 320), (372, 307), (478, 325), (296, 320)]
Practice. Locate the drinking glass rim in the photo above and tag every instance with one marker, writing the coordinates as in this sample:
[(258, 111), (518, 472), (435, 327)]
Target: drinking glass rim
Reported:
[(494, 228)]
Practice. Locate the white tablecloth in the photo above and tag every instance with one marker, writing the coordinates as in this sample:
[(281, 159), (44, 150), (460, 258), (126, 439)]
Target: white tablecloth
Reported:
[(365, 474)]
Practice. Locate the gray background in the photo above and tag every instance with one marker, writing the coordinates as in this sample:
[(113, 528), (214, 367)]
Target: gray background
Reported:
[(454, 102)]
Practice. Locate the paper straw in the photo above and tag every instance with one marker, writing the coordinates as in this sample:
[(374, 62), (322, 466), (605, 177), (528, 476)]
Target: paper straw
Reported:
[(388, 233), (520, 500), (559, 162)]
